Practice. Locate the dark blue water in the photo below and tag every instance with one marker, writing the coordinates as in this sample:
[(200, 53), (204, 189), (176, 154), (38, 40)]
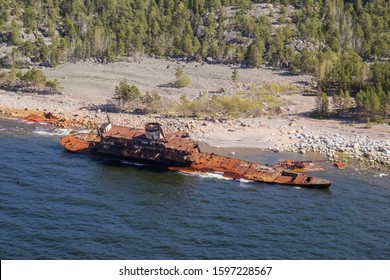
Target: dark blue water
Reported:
[(57, 205)]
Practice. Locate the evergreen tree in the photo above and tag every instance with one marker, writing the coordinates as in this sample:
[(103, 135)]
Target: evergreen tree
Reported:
[(182, 80), (235, 76), (322, 105), (35, 77), (254, 56), (127, 95), (15, 32)]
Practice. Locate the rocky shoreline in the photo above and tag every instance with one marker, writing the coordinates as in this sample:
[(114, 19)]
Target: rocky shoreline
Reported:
[(299, 135), (337, 146)]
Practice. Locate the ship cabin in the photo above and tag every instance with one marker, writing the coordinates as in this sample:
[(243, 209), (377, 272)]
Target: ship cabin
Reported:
[(149, 144), (122, 137)]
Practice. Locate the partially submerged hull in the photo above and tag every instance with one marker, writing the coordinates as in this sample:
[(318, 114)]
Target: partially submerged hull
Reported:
[(176, 151), (239, 169), (298, 166), (305, 166)]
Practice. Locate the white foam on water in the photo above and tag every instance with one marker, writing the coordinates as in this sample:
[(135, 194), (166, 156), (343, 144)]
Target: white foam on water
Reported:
[(206, 175), (132, 163), (214, 175), (84, 131), (245, 181), (297, 188), (54, 132)]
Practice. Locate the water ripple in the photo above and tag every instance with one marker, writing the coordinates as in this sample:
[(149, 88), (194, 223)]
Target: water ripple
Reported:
[(57, 205)]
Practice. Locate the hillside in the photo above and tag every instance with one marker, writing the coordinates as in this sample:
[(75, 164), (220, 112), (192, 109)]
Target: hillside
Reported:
[(240, 31), (344, 44)]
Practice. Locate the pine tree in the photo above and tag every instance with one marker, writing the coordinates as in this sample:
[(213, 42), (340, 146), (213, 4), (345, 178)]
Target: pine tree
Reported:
[(337, 101), (147, 98), (15, 32), (182, 80), (254, 56), (321, 105), (179, 72), (235, 76), (346, 100), (126, 94), (35, 77)]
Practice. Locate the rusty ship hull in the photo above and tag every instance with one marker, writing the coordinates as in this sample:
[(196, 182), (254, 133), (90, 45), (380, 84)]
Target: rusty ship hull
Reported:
[(176, 151)]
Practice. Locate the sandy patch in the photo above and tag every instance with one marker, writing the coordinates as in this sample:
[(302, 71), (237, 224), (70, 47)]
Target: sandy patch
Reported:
[(94, 82)]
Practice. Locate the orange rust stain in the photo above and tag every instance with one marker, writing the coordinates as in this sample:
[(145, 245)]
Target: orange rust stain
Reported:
[(34, 118), (339, 164)]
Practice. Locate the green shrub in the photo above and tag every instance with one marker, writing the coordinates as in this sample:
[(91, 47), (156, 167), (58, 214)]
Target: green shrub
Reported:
[(251, 103), (152, 102), (182, 80), (54, 86), (33, 80), (126, 95), (35, 77)]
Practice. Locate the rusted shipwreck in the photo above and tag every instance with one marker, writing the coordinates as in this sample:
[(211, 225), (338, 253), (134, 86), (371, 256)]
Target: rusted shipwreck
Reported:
[(305, 166), (177, 151)]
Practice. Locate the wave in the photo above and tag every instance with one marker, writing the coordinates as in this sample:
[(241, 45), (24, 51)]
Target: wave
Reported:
[(29, 122), (84, 131), (53, 132), (206, 175), (214, 175), (245, 181), (15, 129)]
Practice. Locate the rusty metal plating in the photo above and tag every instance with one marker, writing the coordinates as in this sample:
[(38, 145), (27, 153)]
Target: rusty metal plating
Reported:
[(177, 151)]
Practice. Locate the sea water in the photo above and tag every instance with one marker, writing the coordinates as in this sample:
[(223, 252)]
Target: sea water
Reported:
[(59, 205)]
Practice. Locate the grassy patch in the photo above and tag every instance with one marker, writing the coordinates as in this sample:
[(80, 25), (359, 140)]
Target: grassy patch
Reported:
[(252, 103)]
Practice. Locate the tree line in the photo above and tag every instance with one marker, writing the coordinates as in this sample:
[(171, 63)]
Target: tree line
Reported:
[(33, 80), (370, 103), (335, 40), (196, 29)]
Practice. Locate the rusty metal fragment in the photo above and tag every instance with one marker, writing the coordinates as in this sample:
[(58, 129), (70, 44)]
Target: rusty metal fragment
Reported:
[(79, 143), (339, 164), (34, 118), (304, 166), (298, 166)]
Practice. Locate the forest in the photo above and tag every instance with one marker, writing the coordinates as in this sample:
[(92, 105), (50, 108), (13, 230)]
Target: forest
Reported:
[(344, 44)]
